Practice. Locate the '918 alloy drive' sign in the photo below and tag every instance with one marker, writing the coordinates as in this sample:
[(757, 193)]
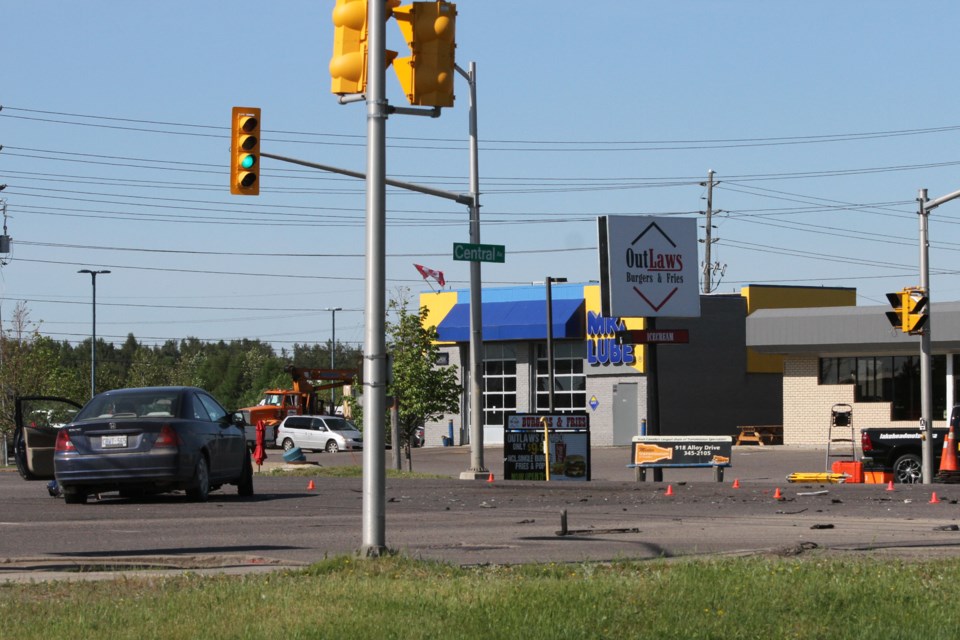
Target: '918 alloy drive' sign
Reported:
[(648, 267)]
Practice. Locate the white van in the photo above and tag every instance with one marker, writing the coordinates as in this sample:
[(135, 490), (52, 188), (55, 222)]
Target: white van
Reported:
[(319, 433)]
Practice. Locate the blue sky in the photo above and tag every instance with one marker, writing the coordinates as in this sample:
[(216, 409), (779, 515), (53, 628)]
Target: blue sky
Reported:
[(821, 120)]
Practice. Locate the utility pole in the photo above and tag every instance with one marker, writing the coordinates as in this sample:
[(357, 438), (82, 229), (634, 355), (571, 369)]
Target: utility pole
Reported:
[(708, 241)]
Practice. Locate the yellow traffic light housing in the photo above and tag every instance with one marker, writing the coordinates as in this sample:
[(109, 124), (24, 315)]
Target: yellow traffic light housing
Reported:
[(348, 64), (909, 310), (245, 151), (914, 310), (427, 74)]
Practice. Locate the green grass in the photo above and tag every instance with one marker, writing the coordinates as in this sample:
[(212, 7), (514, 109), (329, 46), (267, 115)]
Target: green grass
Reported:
[(396, 597)]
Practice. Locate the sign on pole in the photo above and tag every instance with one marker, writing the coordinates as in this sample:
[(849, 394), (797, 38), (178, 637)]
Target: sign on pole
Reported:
[(467, 252), (648, 267)]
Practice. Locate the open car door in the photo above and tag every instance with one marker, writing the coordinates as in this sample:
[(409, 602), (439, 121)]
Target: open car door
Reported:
[(36, 423)]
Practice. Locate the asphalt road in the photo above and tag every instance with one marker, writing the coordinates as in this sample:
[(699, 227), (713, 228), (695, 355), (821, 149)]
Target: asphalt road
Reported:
[(288, 524)]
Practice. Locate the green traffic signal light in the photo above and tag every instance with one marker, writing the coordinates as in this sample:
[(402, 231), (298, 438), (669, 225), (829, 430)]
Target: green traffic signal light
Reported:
[(245, 151)]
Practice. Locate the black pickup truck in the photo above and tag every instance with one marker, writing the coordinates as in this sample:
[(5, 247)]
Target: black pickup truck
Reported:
[(899, 450)]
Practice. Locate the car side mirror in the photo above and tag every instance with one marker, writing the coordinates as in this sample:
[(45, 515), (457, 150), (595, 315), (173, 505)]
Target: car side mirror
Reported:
[(237, 419)]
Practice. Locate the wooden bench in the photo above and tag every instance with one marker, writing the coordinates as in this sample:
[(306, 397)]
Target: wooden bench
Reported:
[(760, 434), (677, 452)]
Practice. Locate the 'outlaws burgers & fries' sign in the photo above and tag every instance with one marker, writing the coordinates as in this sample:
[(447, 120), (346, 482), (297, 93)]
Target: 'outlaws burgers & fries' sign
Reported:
[(648, 267)]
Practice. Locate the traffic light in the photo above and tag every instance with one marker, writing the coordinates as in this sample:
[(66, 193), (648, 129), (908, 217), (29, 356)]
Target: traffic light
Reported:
[(245, 152), (427, 74), (914, 310), (909, 310), (348, 65)]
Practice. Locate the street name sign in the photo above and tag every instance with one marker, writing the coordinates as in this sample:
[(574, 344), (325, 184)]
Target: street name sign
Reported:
[(467, 252)]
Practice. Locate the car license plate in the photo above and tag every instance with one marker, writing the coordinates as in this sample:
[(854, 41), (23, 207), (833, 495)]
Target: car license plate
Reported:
[(113, 442)]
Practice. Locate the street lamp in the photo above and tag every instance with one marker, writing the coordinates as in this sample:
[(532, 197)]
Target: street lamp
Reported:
[(549, 282), (93, 339), (333, 352)]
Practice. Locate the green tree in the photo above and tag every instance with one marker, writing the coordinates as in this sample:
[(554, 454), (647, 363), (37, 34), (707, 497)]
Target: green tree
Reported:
[(28, 364), (424, 391)]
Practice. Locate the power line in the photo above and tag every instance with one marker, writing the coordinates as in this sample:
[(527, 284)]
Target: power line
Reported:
[(532, 145)]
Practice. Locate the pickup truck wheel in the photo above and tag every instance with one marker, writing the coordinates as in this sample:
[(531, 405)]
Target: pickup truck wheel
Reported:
[(908, 469)]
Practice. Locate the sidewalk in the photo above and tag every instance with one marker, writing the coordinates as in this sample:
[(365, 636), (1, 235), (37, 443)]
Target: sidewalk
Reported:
[(770, 463)]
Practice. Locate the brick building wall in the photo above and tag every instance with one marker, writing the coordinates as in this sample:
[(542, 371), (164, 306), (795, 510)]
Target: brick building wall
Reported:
[(807, 405)]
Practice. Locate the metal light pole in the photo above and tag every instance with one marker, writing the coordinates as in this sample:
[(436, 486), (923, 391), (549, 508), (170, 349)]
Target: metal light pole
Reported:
[(549, 282), (93, 339), (333, 352), (477, 470)]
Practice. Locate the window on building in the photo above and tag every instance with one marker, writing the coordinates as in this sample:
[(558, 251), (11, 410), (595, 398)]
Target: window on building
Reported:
[(893, 379), (499, 383), (569, 379)]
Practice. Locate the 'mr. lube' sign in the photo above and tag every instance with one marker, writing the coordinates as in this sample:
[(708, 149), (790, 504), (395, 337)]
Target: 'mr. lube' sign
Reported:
[(602, 347)]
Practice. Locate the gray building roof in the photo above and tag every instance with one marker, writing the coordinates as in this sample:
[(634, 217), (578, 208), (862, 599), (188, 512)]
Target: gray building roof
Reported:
[(848, 331)]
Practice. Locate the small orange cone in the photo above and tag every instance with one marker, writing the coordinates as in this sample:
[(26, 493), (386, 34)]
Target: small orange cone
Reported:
[(311, 486), (890, 486), (669, 490), (736, 483), (490, 477), (933, 498), (777, 495)]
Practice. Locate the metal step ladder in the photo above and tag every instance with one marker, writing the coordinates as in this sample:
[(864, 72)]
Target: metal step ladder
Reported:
[(841, 440)]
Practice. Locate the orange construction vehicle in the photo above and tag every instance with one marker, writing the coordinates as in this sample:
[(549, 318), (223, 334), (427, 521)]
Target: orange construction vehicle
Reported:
[(277, 404)]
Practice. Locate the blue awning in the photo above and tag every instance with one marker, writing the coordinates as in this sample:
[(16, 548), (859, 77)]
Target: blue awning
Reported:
[(521, 320)]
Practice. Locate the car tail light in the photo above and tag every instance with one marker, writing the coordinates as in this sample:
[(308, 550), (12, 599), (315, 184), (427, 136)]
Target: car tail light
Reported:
[(63, 441), (865, 443), (167, 438)]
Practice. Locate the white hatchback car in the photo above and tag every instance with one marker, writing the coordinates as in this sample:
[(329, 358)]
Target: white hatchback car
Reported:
[(319, 433)]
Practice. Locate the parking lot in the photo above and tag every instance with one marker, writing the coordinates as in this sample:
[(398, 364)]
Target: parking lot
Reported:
[(294, 520)]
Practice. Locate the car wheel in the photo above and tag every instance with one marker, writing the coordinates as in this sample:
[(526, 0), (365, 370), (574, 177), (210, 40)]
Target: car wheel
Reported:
[(288, 444), (199, 489), (245, 484), (72, 495), (908, 469), (332, 446)]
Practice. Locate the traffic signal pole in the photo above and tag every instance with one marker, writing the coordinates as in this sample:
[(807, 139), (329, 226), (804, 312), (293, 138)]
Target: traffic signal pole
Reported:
[(926, 379), (374, 351)]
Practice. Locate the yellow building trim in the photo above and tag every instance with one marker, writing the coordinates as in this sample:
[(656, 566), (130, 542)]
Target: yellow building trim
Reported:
[(438, 304)]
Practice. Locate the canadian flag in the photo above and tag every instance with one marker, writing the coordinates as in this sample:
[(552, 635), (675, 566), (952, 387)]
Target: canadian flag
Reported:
[(430, 273)]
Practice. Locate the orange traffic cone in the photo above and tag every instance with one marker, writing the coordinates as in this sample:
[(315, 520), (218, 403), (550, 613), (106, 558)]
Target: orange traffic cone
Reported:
[(777, 495), (933, 498), (490, 477), (736, 483), (890, 486), (669, 491), (948, 459), (311, 486)]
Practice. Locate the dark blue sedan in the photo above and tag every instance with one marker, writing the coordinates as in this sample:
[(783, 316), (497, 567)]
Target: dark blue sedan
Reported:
[(147, 440)]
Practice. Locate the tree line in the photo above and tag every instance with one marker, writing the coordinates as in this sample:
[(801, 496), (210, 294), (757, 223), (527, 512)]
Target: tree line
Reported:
[(235, 372)]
